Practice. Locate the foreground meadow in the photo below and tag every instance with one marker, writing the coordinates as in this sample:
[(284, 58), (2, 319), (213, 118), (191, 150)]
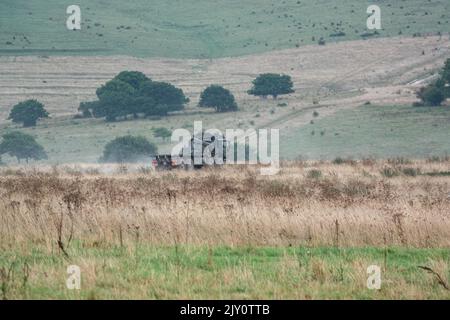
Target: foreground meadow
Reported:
[(309, 232)]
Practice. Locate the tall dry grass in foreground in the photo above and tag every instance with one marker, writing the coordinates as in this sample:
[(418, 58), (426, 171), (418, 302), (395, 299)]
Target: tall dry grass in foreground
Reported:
[(315, 204)]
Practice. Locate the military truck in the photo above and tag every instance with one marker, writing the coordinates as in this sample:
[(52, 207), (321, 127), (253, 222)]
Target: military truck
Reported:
[(166, 161)]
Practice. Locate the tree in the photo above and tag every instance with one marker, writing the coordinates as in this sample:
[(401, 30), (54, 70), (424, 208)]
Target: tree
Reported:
[(133, 93), (445, 79), (28, 112), (446, 72), (146, 106), (165, 96), (138, 104), (431, 95), (89, 109), (162, 132), (128, 149), (270, 84), (218, 98), (133, 78), (22, 146), (115, 100)]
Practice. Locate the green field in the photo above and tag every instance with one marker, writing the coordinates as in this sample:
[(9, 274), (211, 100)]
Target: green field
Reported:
[(69, 140), (367, 131), (203, 28), (372, 131), (144, 272)]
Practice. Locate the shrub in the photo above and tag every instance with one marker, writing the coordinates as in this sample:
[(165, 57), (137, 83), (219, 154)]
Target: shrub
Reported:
[(314, 174), (358, 188), (399, 160), (390, 172), (128, 149), (368, 162), (445, 158), (411, 172), (338, 161), (162, 132), (439, 174), (276, 189), (431, 95)]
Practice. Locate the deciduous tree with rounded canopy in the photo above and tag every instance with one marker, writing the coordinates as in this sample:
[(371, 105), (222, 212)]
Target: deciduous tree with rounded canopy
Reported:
[(165, 97), (128, 149), (218, 98), (133, 93), (28, 112), (22, 146), (115, 99), (133, 78), (271, 84)]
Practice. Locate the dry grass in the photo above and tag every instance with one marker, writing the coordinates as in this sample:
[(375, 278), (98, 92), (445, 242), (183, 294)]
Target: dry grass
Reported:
[(352, 204), (226, 233), (377, 65)]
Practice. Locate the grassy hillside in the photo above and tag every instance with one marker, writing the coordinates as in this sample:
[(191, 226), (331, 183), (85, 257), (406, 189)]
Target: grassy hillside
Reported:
[(202, 28), (378, 131), (79, 140)]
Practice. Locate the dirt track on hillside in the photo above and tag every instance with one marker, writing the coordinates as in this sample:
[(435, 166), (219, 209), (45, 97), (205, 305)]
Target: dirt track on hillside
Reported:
[(378, 70)]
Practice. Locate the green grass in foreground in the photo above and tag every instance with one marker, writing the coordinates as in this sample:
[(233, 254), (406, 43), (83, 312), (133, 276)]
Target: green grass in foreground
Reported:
[(372, 131), (203, 28), (145, 272)]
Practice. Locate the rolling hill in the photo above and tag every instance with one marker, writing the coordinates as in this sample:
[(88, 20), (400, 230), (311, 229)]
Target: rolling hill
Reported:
[(382, 71), (204, 28), (195, 43)]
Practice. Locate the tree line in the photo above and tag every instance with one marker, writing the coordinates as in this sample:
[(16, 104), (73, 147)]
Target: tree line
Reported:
[(132, 94)]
